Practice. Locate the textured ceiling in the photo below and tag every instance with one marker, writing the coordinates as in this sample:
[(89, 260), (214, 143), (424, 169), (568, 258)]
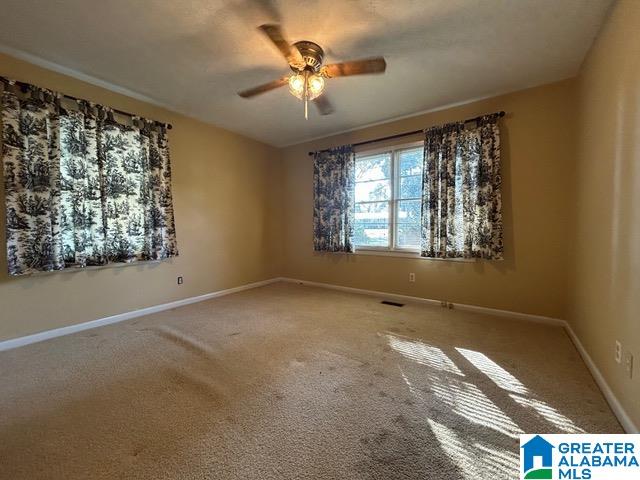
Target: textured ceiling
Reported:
[(192, 56)]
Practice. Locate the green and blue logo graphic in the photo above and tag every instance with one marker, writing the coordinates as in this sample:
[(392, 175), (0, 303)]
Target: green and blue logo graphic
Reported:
[(537, 448), (580, 457)]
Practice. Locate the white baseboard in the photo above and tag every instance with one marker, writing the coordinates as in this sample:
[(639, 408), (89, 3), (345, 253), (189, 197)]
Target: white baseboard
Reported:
[(58, 332), (361, 291), (459, 306), (612, 400)]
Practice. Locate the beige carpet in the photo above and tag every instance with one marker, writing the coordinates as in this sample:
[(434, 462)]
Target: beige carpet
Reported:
[(292, 382)]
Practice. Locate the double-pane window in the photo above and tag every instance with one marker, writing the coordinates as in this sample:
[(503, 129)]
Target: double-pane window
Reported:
[(388, 196)]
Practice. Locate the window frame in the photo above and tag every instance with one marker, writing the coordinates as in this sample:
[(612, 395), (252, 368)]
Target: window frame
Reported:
[(393, 248)]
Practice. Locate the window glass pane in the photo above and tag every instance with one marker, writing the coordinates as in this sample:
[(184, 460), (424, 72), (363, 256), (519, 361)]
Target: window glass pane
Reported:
[(372, 212), (411, 161), (411, 187), (375, 167), (408, 236), (409, 211), (373, 191), (371, 225), (371, 234)]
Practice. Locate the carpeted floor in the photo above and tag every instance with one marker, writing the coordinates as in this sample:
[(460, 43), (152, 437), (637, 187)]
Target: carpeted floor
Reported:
[(292, 382)]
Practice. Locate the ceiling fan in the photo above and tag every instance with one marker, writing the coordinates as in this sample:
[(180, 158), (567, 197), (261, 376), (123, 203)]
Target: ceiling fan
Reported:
[(307, 81)]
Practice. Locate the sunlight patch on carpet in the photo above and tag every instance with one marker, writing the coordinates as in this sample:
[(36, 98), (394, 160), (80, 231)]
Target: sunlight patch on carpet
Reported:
[(468, 401), (495, 372), (549, 413), (424, 354), (474, 460)]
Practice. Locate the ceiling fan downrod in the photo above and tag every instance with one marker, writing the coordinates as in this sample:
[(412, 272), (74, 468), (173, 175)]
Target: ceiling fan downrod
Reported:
[(306, 94)]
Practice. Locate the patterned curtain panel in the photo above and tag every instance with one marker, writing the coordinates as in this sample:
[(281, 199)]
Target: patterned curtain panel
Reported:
[(138, 207), (81, 205), (333, 202), (461, 204), (31, 162), (81, 189)]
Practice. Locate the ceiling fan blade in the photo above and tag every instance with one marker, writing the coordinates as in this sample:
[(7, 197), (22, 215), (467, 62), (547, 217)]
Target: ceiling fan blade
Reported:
[(290, 52), (355, 67), (323, 105), (252, 92)]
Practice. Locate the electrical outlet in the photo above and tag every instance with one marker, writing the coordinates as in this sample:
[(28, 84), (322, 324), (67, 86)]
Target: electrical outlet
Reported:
[(618, 356), (412, 277), (628, 364), (180, 281)]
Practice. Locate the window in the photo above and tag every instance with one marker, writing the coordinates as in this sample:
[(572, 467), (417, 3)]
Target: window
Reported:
[(388, 199)]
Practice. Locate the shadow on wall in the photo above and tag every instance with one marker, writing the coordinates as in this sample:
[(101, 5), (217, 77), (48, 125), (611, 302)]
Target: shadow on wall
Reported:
[(625, 218)]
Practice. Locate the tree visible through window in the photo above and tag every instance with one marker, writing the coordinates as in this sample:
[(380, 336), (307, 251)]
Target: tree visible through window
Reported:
[(388, 196)]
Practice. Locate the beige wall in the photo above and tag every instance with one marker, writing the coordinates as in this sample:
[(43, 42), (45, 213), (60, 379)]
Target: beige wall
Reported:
[(221, 185), (537, 156), (605, 293)]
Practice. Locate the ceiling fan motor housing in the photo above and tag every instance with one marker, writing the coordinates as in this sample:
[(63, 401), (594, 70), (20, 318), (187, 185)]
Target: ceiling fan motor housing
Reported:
[(312, 54)]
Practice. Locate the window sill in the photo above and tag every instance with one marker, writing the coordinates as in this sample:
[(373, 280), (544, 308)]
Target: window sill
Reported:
[(415, 255)]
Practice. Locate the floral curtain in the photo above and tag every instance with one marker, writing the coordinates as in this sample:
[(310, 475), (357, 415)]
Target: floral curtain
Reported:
[(461, 204), (80, 188), (333, 203)]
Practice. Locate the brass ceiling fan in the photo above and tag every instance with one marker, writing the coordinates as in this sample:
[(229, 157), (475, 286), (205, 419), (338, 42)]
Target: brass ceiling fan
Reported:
[(307, 81)]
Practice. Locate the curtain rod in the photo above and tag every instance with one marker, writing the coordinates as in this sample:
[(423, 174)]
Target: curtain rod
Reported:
[(7, 81), (406, 134)]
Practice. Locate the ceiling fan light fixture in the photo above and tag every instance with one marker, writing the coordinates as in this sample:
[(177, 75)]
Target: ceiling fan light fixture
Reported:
[(296, 85), (315, 85)]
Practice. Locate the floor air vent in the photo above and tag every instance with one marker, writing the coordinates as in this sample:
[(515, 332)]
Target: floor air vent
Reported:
[(393, 304)]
